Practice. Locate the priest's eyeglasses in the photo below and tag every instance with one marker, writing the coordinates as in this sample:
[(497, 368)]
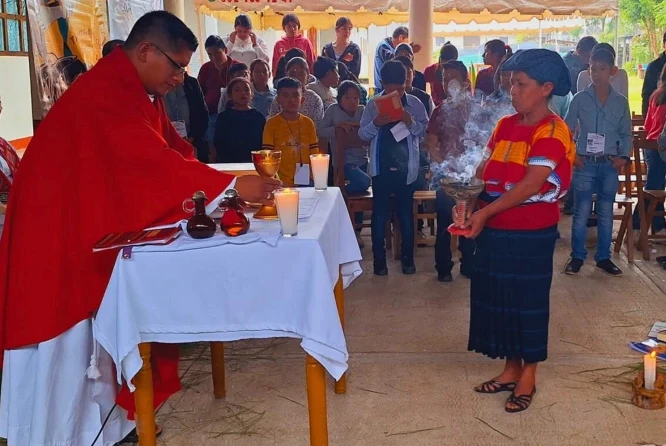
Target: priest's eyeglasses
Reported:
[(179, 70)]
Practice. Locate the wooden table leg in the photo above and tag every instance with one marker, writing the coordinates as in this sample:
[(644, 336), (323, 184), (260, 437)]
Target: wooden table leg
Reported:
[(339, 291), (316, 389), (143, 398), (217, 362)]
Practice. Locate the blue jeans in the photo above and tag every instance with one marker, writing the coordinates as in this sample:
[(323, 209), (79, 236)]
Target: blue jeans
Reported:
[(656, 180), (383, 185), (359, 181), (600, 178)]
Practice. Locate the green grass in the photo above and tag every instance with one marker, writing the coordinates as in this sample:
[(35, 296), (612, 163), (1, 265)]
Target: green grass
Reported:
[(635, 87)]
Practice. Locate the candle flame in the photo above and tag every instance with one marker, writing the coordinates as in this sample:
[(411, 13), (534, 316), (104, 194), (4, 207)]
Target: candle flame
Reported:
[(653, 354)]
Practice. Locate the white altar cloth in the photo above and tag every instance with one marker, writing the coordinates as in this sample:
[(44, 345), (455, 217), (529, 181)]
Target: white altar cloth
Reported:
[(233, 292)]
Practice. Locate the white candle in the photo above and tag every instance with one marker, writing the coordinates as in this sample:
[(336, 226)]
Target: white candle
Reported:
[(650, 367), (319, 166), (287, 206)]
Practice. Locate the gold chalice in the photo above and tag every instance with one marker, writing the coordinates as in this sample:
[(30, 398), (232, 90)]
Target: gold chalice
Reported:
[(267, 163)]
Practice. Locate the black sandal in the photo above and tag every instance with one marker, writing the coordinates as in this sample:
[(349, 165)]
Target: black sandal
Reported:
[(133, 437), (522, 401), (492, 386)]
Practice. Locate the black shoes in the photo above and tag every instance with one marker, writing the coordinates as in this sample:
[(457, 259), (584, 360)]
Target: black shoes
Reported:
[(445, 277), (379, 266), (408, 266), (609, 268)]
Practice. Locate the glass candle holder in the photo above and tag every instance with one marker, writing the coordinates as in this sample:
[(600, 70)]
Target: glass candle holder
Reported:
[(319, 165), (287, 207)]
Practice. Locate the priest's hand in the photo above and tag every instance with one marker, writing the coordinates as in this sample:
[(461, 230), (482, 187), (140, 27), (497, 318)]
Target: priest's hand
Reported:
[(256, 189)]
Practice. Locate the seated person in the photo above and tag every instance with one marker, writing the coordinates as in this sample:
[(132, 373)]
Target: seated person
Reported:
[(238, 69), (281, 68), (326, 73), (346, 75), (445, 131), (292, 133), (240, 127), (394, 164), (262, 95)]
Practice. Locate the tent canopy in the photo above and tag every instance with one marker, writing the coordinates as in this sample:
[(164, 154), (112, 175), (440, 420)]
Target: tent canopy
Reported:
[(320, 13)]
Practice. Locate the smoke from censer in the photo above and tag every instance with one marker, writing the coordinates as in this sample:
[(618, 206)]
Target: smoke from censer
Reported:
[(465, 126)]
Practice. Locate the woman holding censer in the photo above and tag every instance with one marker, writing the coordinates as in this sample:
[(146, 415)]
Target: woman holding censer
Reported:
[(528, 168)]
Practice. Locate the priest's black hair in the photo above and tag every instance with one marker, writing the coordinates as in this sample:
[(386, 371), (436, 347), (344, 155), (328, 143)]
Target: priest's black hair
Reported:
[(163, 29)]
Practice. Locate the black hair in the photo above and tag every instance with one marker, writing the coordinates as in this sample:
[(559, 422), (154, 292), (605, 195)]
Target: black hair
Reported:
[(448, 52), (345, 74), (230, 87), (586, 44), (322, 66), (290, 18), (406, 61), (288, 82), (164, 29), (110, 46), (215, 42), (346, 86), (297, 61), (393, 72), (603, 54), (343, 21), (496, 46), (294, 52), (243, 20), (404, 47), (256, 62), (457, 66), (237, 67), (605, 46), (401, 31)]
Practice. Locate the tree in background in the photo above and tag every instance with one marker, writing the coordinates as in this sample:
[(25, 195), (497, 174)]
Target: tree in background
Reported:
[(645, 13)]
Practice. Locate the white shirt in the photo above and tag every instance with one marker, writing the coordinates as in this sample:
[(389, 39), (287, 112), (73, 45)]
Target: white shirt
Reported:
[(619, 82), (243, 51)]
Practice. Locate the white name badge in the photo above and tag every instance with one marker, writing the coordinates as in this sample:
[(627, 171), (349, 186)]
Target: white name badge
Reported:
[(596, 143), (180, 128), (302, 177)]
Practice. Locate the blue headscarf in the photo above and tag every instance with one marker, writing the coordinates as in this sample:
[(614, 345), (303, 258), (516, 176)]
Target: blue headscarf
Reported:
[(543, 66)]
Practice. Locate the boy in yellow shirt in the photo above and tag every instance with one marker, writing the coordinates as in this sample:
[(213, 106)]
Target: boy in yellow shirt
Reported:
[(291, 133)]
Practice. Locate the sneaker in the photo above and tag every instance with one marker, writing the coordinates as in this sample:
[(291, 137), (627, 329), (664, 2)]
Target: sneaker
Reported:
[(379, 266), (444, 277), (573, 266), (609, 268), (408, 266)]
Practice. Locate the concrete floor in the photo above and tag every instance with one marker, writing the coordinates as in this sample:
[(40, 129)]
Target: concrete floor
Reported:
[(411, 378)]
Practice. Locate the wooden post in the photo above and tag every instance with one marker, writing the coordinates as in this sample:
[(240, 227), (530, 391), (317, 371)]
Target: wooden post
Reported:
[(339, 291), (143, 398), (316, 389), (217, 362)]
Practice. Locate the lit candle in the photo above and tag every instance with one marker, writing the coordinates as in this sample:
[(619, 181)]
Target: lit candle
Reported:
[(286, 201), (319, 165), (650, 367)]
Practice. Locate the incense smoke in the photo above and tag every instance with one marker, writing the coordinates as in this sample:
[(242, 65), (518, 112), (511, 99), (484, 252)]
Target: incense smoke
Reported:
[(465, 125)]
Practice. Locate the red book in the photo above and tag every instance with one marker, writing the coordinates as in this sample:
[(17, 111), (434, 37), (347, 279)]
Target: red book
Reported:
[(146, 237), (390, 105)]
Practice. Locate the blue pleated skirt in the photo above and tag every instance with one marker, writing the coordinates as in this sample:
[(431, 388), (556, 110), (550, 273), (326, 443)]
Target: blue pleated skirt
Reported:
[(510, 293)]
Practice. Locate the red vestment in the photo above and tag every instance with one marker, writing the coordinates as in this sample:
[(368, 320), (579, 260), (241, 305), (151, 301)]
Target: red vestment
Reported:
[(106, 159)]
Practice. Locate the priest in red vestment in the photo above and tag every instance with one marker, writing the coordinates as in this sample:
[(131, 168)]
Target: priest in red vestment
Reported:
[(105, 159)]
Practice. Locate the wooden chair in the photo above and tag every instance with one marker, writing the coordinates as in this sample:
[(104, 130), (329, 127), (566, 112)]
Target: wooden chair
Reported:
[(654, 196)]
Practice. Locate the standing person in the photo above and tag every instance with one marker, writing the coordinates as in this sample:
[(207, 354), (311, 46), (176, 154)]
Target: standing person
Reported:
[(652, 74), (655, 119), (433, 73), (312, 106), (386, 50), (128, 172), (292, 133), (394, 166), (239, 69), (529, 167), (444, 143), (243, 44), (619, 81), (410, 88), (213, 77), (405, 50), (187, 110), (262, 95), (328, 78), (604, 144), (343, 49), (494, 51), (579, 60), (292, 39), (239, 127)]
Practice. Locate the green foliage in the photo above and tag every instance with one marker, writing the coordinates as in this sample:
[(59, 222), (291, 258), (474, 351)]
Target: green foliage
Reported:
[(650, 16), (576, 33)]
